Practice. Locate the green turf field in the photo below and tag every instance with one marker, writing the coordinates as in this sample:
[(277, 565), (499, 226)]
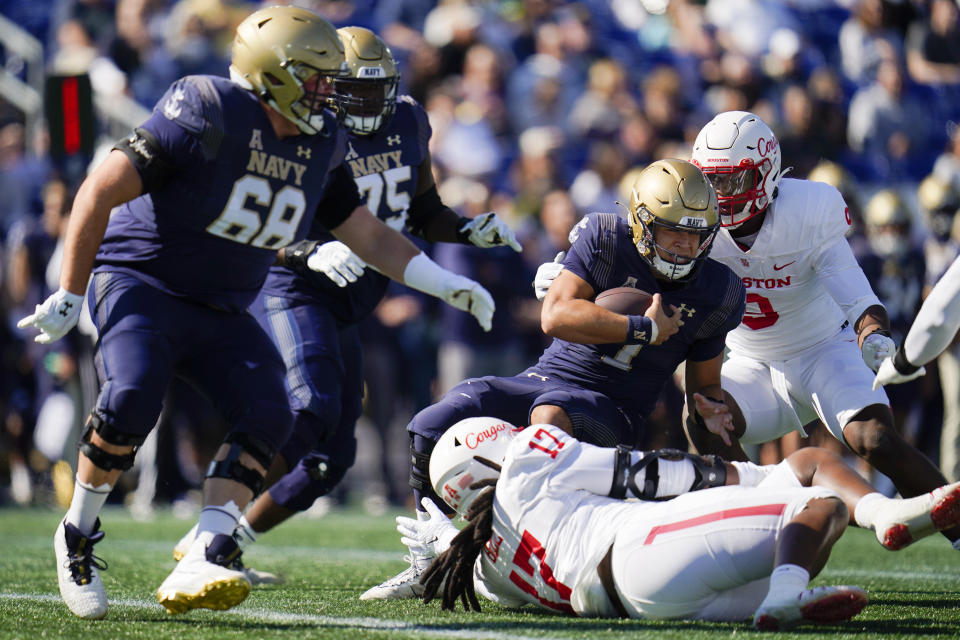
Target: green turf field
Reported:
[(328, 562)]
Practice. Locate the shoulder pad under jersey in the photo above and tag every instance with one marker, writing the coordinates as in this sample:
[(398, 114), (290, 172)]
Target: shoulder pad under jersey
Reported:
[(194, 103)]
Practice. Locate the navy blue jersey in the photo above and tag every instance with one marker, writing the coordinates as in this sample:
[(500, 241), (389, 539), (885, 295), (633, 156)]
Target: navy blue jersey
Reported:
[(385, 168), (605, 256), (234, 195)]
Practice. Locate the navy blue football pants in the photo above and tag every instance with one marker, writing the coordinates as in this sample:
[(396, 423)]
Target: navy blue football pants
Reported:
[(147, 336)]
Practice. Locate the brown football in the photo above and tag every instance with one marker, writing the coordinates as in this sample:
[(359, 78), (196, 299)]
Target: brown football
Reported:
[(624, 300)]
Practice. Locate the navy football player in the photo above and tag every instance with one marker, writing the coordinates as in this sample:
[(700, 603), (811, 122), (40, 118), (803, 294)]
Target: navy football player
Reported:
[(313, 317), (223, 174), (603, 372)]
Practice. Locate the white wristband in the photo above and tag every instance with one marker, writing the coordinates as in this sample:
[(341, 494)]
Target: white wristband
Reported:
[(423, 274)]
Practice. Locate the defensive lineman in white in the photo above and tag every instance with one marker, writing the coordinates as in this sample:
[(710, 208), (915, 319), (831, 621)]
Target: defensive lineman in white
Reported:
[(931, 332), (551, 535), (795, 357)]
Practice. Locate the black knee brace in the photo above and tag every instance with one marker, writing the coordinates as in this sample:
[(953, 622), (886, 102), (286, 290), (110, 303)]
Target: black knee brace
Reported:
[(231, 468), (104, 459), (709, 471)]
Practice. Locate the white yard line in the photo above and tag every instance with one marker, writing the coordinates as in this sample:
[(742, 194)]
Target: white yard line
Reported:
[(260, 615)]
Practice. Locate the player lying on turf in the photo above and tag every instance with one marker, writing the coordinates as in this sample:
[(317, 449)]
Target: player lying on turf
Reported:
[(551, 524)]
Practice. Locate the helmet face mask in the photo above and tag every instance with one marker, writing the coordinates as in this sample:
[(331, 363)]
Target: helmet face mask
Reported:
[(288, 56), (673, 197), (471, 450), (740, 154), (368, 94)]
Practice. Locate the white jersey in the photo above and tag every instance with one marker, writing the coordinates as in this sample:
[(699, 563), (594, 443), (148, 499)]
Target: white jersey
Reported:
[(802, 280), (553, 522), (549, 534)]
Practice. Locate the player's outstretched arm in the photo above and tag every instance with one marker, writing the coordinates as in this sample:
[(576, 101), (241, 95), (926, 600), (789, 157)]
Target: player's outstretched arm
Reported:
[(111, 184), (390, 253), (714, 421), (429, 218), (931, 332)]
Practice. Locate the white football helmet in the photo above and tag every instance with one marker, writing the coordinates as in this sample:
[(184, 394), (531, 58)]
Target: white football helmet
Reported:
[(741, 156), (471, 450)]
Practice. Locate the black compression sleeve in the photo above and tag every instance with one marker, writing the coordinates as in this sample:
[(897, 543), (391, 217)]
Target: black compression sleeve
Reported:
[(424, 208), (340, 198)]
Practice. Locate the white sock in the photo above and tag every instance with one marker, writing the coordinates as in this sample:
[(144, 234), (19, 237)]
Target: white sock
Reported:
[(86, 505), (866, 509), (244, 533), (788, 581), (219, 518)]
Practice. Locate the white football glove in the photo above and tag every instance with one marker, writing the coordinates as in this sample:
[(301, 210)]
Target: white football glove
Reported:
[(465, 294), (888, 374), (423, 274), (546, 274), (337, 261), (55, 317), (489, 231), (427, 538), (875, 348)]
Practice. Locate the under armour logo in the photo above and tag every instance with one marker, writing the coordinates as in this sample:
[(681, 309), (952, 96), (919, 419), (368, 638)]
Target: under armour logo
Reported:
[(393, 140), (683, 307), (173, 107), (744, 262), (65, 308), (303, 152)]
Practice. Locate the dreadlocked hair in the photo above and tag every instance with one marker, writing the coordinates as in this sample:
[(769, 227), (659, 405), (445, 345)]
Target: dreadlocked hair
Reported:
[(455, 565)]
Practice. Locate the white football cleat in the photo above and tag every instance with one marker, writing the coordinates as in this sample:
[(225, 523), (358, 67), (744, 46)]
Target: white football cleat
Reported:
[(903, 522), (183, 545), (77, 571), (203, 580), (403, 586), (822, 605)]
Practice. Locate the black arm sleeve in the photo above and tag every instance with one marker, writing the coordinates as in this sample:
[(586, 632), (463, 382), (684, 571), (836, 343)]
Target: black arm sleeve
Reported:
[(340, 198), (143, 150), (425, 208)]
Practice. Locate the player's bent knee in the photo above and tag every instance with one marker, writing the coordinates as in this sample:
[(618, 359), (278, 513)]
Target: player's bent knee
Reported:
[(231, 468), (104, 459), (551, 414), (872, 440)]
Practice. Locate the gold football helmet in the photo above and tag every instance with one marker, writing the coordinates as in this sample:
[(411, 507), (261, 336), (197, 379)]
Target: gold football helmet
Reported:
[(886, 208), (369, 92), (289, 56), (940, 203), (676, 195)]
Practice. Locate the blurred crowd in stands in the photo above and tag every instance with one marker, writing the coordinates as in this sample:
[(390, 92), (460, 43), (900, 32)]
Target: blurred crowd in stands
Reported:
[(541, 110)]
